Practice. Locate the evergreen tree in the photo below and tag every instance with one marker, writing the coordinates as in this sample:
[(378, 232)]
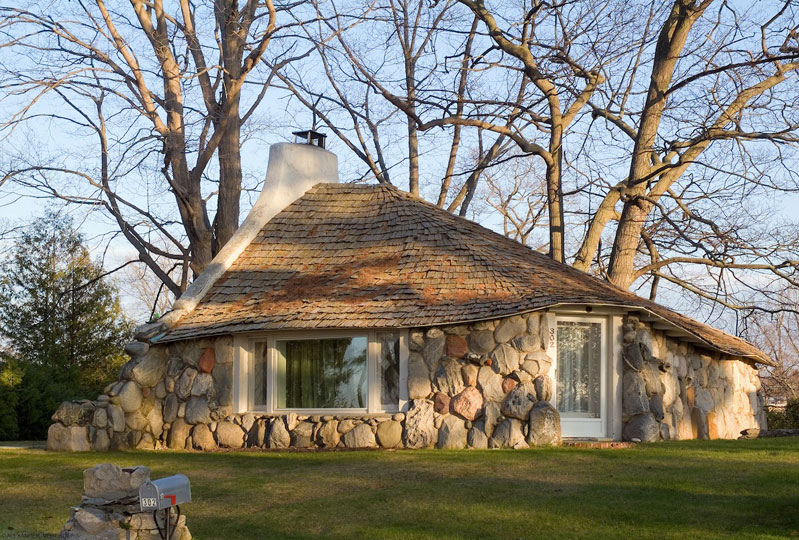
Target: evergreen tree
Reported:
[(60, 319)]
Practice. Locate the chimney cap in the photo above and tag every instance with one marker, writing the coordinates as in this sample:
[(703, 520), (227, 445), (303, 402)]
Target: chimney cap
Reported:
[(309, 136)]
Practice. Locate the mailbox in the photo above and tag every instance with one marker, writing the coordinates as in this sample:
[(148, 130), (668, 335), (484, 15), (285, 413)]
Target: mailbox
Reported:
[(164, 493)]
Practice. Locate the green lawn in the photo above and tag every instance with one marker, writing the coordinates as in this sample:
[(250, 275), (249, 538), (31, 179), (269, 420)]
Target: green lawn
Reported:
[(720, 489)]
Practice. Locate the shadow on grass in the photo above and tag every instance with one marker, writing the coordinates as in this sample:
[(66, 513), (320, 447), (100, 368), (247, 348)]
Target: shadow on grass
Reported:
[(685, 490)]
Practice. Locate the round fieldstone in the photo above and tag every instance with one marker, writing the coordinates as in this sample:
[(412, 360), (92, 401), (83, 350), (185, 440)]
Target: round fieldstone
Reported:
[(468, 404), (170, 408), (301, 435), (643, 427), (328, 436), (202, 438), (469, 372), (100, 419), (505, 359), (229, 435), (543, 388), (178, 433), (482, 341), (130, 397), (197, 411), (116, 418), (441, 403), (389, 434), (207, 361), (360, 436), (520, 401), (420, 431), (456, 346), (452, 434), (151, 368), (419, 386), (279, 436), (509, 328), (490, 383), (544, 425)]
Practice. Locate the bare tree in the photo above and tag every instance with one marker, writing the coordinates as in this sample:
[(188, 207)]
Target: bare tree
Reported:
[(151, 83)]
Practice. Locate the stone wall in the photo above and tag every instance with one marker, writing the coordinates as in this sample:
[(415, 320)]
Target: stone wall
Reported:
[(480, 385), (673, 390)]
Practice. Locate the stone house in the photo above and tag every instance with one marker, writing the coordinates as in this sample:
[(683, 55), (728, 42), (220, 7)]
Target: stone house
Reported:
[(361, 316)]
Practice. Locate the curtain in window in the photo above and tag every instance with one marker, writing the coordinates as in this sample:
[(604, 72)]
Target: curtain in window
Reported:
[(579, 367), (388, 369), (322, 373)]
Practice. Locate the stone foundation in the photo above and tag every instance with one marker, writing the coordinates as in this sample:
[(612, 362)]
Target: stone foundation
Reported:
[(673, 390), (110, 508)]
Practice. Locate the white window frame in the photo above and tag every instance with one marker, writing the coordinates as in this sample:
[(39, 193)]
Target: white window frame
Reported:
[(578, 426), (244, 383)]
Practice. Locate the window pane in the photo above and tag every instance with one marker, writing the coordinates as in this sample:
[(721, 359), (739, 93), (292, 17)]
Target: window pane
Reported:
[(388, 369), (322, 373), (259, 374), (579, 367)]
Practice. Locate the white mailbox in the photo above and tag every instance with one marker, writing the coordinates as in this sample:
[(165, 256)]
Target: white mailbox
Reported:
[(164, 493)]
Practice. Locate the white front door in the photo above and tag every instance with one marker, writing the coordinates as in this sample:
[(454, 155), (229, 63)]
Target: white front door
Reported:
[(581, 376)]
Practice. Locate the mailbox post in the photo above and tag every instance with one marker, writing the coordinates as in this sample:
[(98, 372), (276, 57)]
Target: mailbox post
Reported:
[(163, 494)]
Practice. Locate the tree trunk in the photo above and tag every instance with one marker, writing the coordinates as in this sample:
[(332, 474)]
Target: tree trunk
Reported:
[(226, 220), (670, 43)]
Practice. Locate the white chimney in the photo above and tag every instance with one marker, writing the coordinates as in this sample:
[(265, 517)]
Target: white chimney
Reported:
[(293, 169)]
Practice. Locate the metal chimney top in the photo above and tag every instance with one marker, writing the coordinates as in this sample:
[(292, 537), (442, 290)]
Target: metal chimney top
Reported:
[(309, 136)]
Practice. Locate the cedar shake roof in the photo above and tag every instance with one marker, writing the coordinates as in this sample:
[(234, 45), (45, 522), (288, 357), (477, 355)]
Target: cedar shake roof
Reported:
[(366, 256)]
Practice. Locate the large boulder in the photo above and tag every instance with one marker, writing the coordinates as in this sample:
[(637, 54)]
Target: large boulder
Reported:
[(130, 397), (328, 436), (477, 438), (490, 383), (301, 435), (197, 411), (185, 383), (509, 328), (641, 427), (202, 438), (279, 436), (544, 425), (507, 434), (151, 368), (178, 434), (389, 434), (543, 388), (520, 401), (448, 376), (171, 405), (360, 436), (482, 341), (634, 400), (452, 434), (420, 430), (433, 349), (61, 438), (505, 359), (229, 435), (77, 413), (418, 377), (116, 418)]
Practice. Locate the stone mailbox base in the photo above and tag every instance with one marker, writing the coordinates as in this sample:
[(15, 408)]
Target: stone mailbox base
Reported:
[(110, 508)]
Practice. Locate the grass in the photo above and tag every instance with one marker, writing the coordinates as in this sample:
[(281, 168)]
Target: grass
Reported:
[(696, 490)]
